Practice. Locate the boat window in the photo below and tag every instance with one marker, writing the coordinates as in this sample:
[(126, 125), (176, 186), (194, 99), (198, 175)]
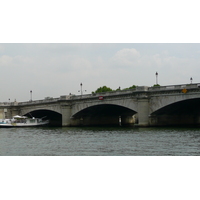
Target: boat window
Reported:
[(32, 120)]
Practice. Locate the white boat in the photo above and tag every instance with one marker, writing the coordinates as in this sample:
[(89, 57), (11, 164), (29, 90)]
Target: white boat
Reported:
[(23, 121)]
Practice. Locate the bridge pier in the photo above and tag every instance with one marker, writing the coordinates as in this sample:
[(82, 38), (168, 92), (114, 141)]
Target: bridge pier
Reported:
[(143, 112), (66, 114), (8, 112)]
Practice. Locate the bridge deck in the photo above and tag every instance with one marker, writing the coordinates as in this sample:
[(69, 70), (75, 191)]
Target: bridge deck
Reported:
[(137, 90)]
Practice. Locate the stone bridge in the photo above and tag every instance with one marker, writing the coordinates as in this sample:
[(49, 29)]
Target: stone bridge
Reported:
[(143, 106)]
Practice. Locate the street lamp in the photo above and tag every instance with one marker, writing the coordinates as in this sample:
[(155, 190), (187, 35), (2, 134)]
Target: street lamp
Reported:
[(82, 89), (31, 95), (156, 78)]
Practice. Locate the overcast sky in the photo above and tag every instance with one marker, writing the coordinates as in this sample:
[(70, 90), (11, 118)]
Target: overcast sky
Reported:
[(58, 69), (50, 48)]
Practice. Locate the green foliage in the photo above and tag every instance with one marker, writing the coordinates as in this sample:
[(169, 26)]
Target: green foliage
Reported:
[(107, 89), (103, 89), (118, 89), (156, 85), (132, 87)]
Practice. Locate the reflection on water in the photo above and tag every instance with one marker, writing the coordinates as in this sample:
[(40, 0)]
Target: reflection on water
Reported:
[(99, 141)]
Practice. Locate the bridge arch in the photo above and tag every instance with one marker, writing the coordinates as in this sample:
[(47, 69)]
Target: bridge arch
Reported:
[(54, 117), (183, 112), (105, 114)]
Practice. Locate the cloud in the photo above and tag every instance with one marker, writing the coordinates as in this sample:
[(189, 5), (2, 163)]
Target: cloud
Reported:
[(125, 58), (139, 67), (2, 48), (58, 69), (5, 61)]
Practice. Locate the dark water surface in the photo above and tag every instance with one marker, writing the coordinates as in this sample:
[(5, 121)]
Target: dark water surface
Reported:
[(99, 141)]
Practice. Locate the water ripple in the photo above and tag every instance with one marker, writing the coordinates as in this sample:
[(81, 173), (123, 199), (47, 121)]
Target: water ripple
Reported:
[(100, 141)]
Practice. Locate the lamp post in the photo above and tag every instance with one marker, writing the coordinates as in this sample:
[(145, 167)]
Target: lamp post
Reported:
[(31, 95), (81, 89), (156, 78)]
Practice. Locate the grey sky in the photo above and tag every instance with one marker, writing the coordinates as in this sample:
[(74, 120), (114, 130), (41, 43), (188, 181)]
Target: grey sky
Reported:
[(58, 69), (52, 48)]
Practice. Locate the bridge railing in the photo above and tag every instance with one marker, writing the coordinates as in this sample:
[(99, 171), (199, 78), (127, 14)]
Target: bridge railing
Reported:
[(8, 103), (107, 94), (39, 101), (74, 97), (174, 87), (46, 100), (104, 94)]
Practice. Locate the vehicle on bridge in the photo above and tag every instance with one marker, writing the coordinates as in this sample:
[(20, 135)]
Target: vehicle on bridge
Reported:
[(23, 121)]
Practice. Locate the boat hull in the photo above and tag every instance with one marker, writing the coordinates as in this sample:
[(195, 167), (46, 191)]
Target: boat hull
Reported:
[(22, 121), (9, 125), (22, 125)]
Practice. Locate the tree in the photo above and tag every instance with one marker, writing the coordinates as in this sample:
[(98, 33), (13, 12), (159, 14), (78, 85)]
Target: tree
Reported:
[(132, 87), (107, 89), (103, 89)]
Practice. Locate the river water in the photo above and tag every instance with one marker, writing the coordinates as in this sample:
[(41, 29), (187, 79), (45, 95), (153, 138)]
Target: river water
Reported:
[(99, 141)]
